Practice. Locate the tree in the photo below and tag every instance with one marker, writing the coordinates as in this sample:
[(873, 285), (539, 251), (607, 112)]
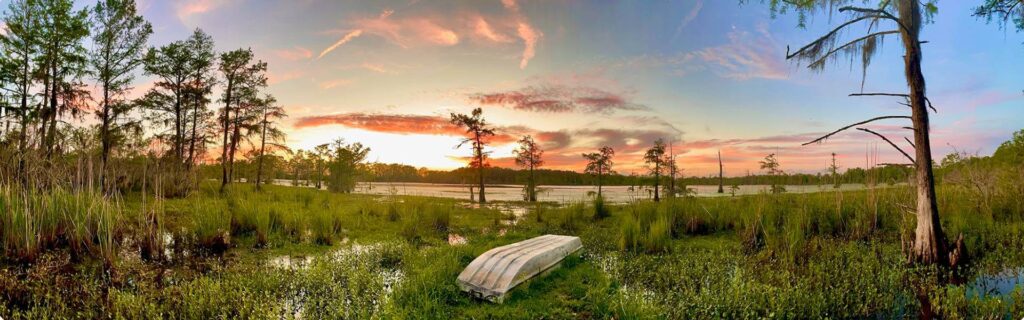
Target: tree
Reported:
[(599, 163), (20, 47), (243, 78), (61, 66), (319, 156), (344, 165), (672, 168), (834, 168), (910, 15), (1011, 151), (270, 112), (166, 100), (1005, 11), (479, 131), (655, 159), (528, 155), (119, 42), (201, 78), (771, 165), (721, 173)]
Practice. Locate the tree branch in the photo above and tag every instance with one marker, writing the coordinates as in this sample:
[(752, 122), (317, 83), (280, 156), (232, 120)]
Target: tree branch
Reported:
[(878, 12), (827, 36), (867, 94), (854, 125), (836, 49), (890, 143), (911, 143)]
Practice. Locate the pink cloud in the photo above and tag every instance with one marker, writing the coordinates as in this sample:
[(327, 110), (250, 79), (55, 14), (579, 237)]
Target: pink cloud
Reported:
[(558, 99), (188, 8), (484, 30), (335, 83), (747, 56), (345, 39), (296, 53)]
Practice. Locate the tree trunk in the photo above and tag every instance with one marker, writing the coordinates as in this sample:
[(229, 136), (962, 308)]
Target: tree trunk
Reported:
[(263, 146), (105, 136), (657, 177), (480, 164), (227, 127), (599, 171), (929, 242), (721, 173)]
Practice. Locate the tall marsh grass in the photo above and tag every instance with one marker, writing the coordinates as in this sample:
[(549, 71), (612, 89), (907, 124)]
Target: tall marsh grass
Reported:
[(83, 221)]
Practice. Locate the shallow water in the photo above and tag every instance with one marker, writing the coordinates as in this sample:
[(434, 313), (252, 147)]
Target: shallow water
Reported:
[(561, 194), (999, 284)]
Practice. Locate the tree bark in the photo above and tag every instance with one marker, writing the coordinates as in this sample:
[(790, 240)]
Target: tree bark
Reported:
[(226, 124), (929, 241), (480, 164), (721, 172), (263, 146)]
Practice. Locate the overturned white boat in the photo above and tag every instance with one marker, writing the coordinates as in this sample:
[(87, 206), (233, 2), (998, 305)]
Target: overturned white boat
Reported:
[(491, 275)]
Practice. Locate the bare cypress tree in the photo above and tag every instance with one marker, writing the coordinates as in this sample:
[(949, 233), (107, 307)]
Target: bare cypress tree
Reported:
[(834, 168), (528, 155), (119, 41), (910, 15), (479, 131)]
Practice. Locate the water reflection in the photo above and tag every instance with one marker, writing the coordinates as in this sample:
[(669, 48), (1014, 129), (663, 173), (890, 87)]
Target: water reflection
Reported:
[(560, 194), (999, 284)]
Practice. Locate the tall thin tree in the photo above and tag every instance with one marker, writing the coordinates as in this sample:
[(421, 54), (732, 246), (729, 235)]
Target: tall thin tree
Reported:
[(119, 43), (479, 132), (599, 163), (528, 155), (270, 112), (655, 159)]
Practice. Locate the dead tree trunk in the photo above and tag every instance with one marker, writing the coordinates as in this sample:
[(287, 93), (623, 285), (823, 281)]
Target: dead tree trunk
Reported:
[(721, 171), (929, 241)]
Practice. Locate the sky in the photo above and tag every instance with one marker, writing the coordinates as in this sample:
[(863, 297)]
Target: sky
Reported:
[(706, 75)]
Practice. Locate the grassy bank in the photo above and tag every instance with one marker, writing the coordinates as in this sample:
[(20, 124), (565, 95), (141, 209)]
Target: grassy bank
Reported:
[(289, 252)]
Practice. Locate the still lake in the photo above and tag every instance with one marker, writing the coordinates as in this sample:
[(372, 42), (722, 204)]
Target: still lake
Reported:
[(560, 194)]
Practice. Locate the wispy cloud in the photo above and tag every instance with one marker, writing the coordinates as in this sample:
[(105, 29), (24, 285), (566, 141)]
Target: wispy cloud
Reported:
[(747, 56), (185, 9), (296, 53), (345, 39), (692, 14), (335, 83), (558, 99), (525, 31)]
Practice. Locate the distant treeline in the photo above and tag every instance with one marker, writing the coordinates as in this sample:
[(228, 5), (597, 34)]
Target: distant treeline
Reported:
[(388, 172)]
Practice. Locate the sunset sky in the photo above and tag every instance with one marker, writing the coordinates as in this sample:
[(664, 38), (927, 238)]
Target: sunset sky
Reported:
[(709, 75)]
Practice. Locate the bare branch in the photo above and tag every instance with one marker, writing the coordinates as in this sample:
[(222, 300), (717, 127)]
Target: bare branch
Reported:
[(866, 94), (879, 12), (854, 125), (890, 143), (911, 143), (827, 36), (825, 56)]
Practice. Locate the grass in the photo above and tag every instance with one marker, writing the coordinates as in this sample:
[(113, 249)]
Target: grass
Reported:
[(782, 256)]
